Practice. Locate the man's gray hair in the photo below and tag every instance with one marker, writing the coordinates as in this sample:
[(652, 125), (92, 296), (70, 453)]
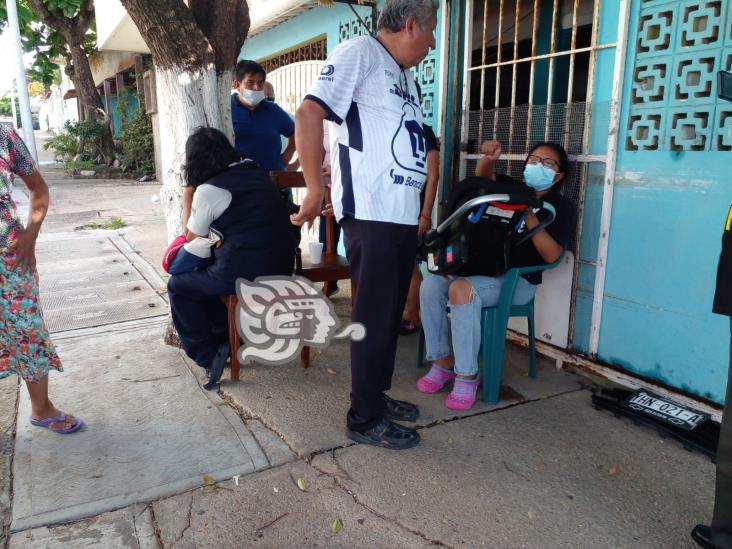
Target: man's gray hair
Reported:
[(394, 15)]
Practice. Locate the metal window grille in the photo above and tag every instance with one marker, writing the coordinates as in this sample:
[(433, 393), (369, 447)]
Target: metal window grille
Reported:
[(530, 76), (315, 51)]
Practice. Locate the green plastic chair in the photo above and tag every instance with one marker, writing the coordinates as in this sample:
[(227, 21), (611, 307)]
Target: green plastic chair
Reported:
[(494, 322)]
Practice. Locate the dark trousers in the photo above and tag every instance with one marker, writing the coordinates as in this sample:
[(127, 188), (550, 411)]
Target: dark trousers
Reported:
[(198, 314), (722, 521), (381, 256)]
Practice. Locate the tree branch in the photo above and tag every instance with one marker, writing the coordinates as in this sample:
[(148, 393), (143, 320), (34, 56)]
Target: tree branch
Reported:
[(227, 39), (171, 33), (85, 16), (51, 18)]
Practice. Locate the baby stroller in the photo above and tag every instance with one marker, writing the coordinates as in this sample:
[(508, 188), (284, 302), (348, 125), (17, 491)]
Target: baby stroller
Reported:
[(484, 222)]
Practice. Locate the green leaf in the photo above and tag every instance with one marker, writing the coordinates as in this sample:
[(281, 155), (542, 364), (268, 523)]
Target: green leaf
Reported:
[(301, 484), (336, 525), (209, 480)]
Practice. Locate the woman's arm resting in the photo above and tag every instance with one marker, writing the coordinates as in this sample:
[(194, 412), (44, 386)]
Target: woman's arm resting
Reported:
[(548, 248), (289, 151), (25, 244), (187, 203), (433, 175)]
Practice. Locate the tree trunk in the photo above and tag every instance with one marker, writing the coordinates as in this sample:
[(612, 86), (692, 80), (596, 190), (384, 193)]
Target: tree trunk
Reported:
[(190, 90), (73, 29), (89, 99), (225, 81), (187, 99)]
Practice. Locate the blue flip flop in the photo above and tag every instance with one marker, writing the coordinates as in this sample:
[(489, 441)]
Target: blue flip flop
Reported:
[(78, 424)]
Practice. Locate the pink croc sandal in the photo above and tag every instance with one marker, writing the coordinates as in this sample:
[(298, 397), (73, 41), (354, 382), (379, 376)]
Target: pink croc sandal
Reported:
[(435, 379), (462, 396)]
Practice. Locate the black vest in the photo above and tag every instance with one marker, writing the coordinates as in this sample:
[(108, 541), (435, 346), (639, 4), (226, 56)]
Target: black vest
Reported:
[(256, 228)]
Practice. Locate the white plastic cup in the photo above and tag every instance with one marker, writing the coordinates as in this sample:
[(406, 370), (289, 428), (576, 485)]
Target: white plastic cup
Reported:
[(316, 252)]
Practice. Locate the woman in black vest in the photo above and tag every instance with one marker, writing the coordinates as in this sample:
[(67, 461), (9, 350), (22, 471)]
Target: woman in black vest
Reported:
[(236, 200)]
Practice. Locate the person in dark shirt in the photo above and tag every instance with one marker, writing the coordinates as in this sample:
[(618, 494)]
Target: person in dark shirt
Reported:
[(719, 535), (258, 124), (545, 171)]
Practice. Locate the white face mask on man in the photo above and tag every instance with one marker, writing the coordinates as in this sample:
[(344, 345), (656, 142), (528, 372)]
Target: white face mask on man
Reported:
[(253, 97)]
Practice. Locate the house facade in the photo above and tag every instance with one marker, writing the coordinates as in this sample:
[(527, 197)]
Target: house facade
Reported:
[(629, 88)]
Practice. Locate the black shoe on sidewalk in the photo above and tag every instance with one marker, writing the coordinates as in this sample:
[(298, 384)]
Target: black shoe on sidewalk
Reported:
[(399, 410), (217, 366), (386, 434), (702, 534)]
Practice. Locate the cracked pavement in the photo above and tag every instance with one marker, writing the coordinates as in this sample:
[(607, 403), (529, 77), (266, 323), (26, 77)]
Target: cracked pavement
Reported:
[(541, 469)]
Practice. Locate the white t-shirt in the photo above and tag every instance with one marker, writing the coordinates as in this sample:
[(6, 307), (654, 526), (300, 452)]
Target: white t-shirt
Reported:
[(378, 154), (209, 202)]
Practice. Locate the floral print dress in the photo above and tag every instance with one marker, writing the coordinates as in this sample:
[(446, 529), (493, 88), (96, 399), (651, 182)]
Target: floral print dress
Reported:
[(25, 346)]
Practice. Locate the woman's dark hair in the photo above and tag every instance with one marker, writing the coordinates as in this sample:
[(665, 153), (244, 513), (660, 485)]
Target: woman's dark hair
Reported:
[(561, 154), (208, 153)]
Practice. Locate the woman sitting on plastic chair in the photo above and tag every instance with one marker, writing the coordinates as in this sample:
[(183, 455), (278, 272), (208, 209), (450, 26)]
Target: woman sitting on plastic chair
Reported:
[(545, 171)]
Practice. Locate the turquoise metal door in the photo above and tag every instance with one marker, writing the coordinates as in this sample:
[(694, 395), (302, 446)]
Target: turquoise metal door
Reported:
[(673, 186)]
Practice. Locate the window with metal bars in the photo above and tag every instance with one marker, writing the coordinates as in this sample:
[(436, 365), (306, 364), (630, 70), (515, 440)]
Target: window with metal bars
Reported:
[(530, 78), (314, 51)]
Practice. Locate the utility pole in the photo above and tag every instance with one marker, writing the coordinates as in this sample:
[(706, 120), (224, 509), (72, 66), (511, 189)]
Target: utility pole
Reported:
[(23, 99), (12, 104)]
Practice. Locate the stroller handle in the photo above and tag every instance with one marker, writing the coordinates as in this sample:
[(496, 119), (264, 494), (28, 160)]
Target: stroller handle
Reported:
[(469, 205), (485, 199)]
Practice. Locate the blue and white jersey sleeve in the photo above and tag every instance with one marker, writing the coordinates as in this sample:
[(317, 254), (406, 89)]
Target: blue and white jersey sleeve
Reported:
[(344, 70)]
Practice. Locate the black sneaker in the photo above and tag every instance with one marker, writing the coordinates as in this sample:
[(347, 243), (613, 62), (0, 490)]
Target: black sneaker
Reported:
[(703, 536), (217, 366), (398, 410), (387, 435)]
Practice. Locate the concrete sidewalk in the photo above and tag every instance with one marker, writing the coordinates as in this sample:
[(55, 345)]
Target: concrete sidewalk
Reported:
[(541, 469)]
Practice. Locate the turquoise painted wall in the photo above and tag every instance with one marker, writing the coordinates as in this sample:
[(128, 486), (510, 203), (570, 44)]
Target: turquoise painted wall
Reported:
[(602, 96), (670, 202), (303, 28), (327, 21), (132, 105)]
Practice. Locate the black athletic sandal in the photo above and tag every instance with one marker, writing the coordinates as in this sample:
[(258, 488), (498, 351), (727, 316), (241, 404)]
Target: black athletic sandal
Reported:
[(387, 434), (399, 410)]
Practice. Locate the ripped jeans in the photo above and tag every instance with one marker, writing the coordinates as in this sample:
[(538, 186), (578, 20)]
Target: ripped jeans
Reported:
[(464, 321)]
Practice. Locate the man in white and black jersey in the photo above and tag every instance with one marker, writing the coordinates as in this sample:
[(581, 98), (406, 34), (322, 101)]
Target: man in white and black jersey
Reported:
[(378, 168)]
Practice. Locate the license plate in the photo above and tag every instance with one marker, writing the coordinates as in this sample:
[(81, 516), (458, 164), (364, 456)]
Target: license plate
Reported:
[(665, 409)]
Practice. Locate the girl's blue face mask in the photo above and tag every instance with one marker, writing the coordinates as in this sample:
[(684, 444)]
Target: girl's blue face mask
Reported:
[(538, 177)]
